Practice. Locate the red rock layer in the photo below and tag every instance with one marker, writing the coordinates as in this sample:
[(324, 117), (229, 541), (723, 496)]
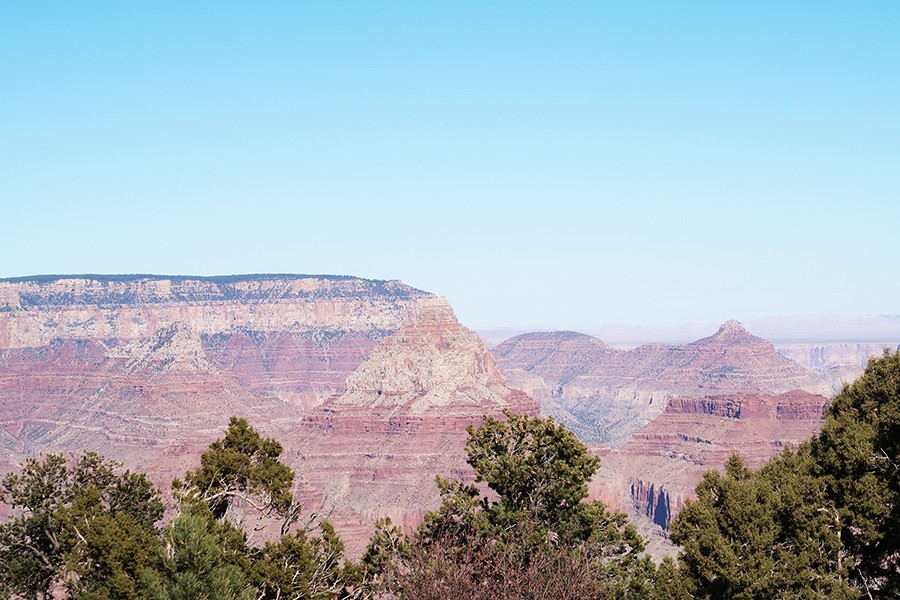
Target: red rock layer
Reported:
[(299, 368), (661, 465), (604, 395), (370, 397)]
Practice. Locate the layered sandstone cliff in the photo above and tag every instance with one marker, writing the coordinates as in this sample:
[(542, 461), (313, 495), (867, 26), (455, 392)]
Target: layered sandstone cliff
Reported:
[(37, 310), (657, 470), (369, 385), (374, 450), (605, 395), (293, 337)]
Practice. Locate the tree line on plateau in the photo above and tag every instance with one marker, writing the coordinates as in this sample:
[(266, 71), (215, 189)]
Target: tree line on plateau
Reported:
[(821, 520)]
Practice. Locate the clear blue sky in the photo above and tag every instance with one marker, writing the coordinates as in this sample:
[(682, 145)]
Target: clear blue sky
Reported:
[(562, 164)]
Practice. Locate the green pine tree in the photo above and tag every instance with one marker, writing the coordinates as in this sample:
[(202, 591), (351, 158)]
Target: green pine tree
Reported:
[(191, 565)]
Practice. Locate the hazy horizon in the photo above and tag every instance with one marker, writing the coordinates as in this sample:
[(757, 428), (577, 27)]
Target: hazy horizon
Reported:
[(649, 164)]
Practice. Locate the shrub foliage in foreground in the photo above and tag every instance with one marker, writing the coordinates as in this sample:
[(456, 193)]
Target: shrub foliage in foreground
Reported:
[(821, 521), (534, 537), (91, 531)]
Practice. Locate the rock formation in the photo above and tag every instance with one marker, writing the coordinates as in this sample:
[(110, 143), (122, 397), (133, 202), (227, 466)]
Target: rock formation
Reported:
[(605, 395), (374, 450), (295, 338), (657, 470), (840, 363), (369, 385)]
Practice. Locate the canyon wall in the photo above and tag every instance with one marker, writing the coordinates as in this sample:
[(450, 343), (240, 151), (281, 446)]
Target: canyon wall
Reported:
[(36, 311), (657, 470), (839, 362), (401, 421), (605, 395), (369, 385)]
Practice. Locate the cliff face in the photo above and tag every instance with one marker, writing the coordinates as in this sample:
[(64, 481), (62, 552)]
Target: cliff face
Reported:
[(368, 385), (657, 470), (36, 311), (605, 395), (840, 363), (374, 450), (295, 338)]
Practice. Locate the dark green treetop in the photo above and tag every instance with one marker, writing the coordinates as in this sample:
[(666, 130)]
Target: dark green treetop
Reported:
[(857, 456), (89, 527), (535, 524), (243, 465)]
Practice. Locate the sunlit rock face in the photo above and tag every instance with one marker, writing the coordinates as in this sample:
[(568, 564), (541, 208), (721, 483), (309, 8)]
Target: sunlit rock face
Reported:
[(369, 385), (653, 474), (374, 450), (605, 395)]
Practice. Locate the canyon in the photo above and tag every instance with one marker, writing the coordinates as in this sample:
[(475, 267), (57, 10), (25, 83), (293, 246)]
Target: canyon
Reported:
[(370, 385), (656, 471), (604, 394), (659, 416)]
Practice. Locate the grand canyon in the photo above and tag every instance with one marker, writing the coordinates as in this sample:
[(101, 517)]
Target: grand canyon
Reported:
[(370, 385)]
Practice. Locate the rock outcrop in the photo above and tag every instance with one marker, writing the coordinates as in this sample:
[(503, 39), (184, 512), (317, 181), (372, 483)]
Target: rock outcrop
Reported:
[(604, 395), (374, 450), (657, 470), (369, 385)]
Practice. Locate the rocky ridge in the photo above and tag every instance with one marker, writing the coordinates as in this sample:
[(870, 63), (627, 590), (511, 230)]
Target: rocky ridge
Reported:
[(605, 395), (374, 450), (657, 470)]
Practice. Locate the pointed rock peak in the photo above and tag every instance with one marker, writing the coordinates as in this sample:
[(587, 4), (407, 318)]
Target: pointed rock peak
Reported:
[(730, 333), (732, 326), (434, 366)]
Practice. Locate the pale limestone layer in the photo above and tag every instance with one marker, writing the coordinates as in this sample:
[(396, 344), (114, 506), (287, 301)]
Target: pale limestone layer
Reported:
[(34, 313), (433, 363), (173, 348)]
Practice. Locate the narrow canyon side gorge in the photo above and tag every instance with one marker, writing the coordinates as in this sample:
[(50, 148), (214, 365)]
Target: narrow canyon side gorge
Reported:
[(369, 385)]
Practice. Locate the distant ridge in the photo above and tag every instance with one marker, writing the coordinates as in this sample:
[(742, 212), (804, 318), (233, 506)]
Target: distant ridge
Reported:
[(605, 394), (129, 277), (789, 329), (113, 290)]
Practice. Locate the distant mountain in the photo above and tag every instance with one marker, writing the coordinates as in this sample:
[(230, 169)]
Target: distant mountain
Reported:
[(604, 394), (777, 329)]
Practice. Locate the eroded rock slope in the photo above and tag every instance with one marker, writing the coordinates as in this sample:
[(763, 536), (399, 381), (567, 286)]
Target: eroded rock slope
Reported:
[(369, 385), (605, 394)]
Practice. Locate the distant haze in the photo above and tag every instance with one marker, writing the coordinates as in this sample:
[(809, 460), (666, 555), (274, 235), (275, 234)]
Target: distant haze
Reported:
[(780, 329)]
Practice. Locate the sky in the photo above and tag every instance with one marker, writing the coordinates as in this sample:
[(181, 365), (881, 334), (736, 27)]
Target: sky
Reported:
[(553, 164)]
